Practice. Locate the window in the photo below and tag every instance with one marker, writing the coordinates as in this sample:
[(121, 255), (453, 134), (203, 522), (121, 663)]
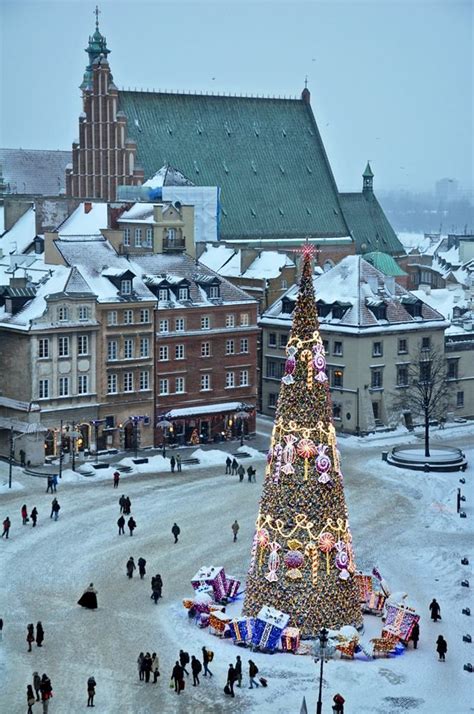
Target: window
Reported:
[(126, 236), (83, 313), (63, 386), (402, 375), (337, 378), (425, 371), (452, 369), (377, 349), (205, 322), (179, 352), (275, 369), (43, 391), (112, 317), (128, 317), (244, 378), (163, 353), (244, 319), (179, 324), (244, 345), (183, 294), (63, 346), (43, 348), (126, 287), (164, 326), (272, 400), (459, 399), (149, 238), (128, 381), (337, 411), (171, 234), (145, 315), (63, 313), (164, 386), (128, 349), (229, 347), (82, 344), (112, 350), (337, 348), (284, 284), (205, 382), (230, 320), (163, 294), (283, 339), (402, 346), (179, 385), (138, 237), (326, 346), (83, 384), (272, 339), (111, 384), (426, 343), (205, 349), (144, 380), (144, 347), (214, 292), (376, 378), (229, 380)]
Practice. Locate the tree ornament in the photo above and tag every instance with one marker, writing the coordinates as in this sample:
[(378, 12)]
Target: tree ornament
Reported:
[(342, 560), (307, 357), (277, 453), (273, 561), (294, 559), (287, 379), (290, 365), (263, 539), (326, 543), (306, 449), (289, 453), (312, 552)]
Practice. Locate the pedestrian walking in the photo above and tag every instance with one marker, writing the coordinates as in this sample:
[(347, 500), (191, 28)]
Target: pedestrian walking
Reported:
[(238, 671), (177, 678), (178, 463), (128, 506), (30, 698), (1, 629), (55, 483), (231, 678), (184, 660), (235, 466), (196, 668), (49, 487), (34, 516), (22, 458), (156, 586), (88, 598), (121, 525), (254, 471), (39, 634), (30, 635), (24, 514), (172, 464), (46, 692), (253, 671), (116, 479), (207, 657), (175, 531), (37, 685), (249, 474), (131, 523), (435, 610), (122, 501), (91, 685), (415, 635), (146, 665), (55, 507), (155, 667), (130, 567), (338, 704), (141, 567), (141, 673), (235, 529), (241, 473), (441, 648), (228, 465), (6, 527)]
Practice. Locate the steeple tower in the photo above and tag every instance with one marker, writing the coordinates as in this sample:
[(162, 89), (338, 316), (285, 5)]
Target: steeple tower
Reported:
[(97, 46), (368, 179)]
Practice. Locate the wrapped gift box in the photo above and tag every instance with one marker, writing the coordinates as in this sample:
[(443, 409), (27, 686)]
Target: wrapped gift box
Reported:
[(268, 626), (232, 586), (374, 603), (400, 619), (290, 639), (213, 576), (218, 621), (365, 584), (241, 630)]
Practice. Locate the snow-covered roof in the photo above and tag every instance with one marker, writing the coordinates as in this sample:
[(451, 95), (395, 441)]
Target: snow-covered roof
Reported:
[(444, 300), (2, 220), (205, 409), (138, 213), (82, 223), (267, 265), (168, 176), (21, 234), (228, 261), (35, 308)]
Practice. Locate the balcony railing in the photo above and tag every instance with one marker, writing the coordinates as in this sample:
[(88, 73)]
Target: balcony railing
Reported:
[(173, 244)]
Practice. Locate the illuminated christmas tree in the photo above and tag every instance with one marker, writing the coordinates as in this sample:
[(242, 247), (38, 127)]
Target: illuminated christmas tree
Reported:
[(302, 560)]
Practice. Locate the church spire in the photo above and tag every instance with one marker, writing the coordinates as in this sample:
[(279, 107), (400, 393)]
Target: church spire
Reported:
[(97, 46), (368, 179)]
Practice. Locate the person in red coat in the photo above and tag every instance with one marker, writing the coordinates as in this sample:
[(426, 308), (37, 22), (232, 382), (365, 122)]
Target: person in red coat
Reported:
[(338, 704), (24, 514)]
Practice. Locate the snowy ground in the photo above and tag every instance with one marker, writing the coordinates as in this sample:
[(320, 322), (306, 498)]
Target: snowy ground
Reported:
[(403, 522)]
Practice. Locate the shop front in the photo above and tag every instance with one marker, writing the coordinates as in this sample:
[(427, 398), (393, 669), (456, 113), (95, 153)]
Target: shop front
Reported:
[(206, 424)]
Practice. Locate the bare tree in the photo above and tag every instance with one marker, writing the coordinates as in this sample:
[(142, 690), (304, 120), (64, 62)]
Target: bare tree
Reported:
[(423, 389)]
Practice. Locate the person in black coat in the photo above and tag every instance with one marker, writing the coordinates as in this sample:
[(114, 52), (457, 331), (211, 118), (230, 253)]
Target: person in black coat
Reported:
[(172, 464), (441, 648), (34, 516), (184, 660), (253, 671), (206, 658), (146, 664), (228, 465), (235, 466), (131, 524), (435, 610), (196, 667), (141, 567), (415, 635), (39, 634), (121, 525), (46, 691), (156, 587), (177, 677), (231, 678), (175, 531), (91, 685), (30, 635), (88, 598), (127, 506), (122, 502), (130, 567), (238, 671)]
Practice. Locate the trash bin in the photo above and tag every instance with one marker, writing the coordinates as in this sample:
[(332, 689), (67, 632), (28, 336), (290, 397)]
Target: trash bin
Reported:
[(384, 455)]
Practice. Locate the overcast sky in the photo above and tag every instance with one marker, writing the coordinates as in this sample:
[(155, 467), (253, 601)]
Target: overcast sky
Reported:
[(390, 80)]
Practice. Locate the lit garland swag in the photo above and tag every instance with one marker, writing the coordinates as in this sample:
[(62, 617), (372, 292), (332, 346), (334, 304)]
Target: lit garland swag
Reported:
[(302, 561)]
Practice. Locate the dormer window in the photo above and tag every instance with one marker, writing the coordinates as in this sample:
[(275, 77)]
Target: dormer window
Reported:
[(183, 293), (287, 306), (63, 313), (126, 287), (337, 312), (171, 235), (214, 292), (323, 309), (163, 294)]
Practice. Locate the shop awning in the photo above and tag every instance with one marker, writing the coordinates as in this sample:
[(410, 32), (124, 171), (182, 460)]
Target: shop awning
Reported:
[(225, 407)]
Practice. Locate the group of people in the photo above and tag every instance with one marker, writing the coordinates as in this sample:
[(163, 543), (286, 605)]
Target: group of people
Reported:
[(148, 664), (131, 567), (233, 468), (55, 508), (30, 635), (441, 644), (33, 515), (125, 510), (175, 463), (41, 690), (52, 484), (179, 669)]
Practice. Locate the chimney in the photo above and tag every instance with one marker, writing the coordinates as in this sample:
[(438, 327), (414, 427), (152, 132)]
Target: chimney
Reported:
[(18, 282), (87, 206)]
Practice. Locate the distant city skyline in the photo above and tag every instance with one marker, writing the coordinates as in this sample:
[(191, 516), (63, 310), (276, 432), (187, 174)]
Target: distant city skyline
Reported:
[(389, 81)]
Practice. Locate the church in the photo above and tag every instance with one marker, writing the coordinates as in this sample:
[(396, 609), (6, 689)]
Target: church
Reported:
[(265, 154)]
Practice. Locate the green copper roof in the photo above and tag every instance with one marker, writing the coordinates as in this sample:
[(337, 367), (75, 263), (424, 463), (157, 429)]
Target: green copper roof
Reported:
[(266, 155), (368, 173), (369, 224), (385, 263)]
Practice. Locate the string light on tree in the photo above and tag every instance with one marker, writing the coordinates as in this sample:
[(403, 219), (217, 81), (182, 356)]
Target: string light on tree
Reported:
[(302, 560)]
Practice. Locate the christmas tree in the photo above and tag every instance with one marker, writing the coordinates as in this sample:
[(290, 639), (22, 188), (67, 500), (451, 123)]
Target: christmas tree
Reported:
[(302, 560)]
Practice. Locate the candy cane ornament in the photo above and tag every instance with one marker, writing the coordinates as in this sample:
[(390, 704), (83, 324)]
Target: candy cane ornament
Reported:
[(312, 552)]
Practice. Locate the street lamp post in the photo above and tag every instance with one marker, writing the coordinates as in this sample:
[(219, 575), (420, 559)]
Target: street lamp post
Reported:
[(10, 458), (96, 423), (164, 425), (323, 640), (242, 414), (136, 422), (61, 449)]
